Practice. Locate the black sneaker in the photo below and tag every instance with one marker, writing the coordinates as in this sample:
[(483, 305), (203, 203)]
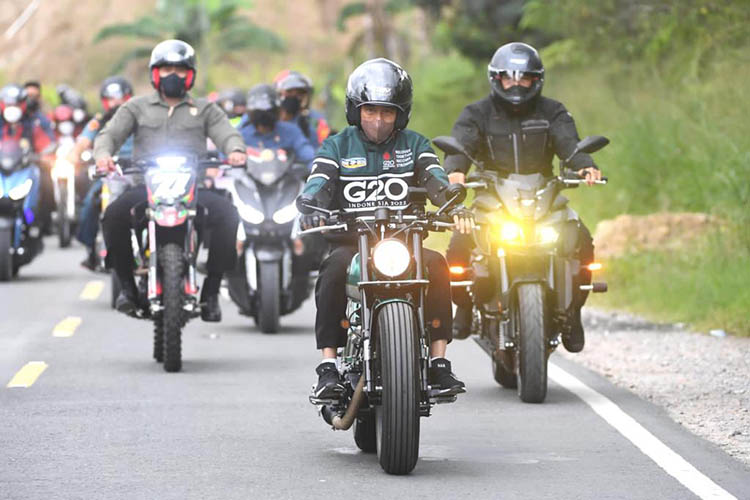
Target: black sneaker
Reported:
[(574, 340), (129, 302), (210, 309), (443, 380), (462, 322), (329, 382), (89, 262)]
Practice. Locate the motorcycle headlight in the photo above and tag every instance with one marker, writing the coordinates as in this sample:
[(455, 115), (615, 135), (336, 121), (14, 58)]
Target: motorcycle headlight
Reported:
[(511, 232), (170, 162), (547, 234), (250, 214), (66, 128), (391, 257), (62, 169), (7, 163), (21, 190), (286, 214), (12, 114)]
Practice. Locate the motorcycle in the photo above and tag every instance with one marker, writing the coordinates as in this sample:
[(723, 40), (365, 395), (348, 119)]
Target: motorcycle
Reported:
[(20, 241), (386, 359), (168, 247), (520, 281), (262, 285), (64, 186)]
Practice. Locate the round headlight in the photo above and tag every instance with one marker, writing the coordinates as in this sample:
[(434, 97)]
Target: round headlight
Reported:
[(547, 234), (391, 257), (510, 231)]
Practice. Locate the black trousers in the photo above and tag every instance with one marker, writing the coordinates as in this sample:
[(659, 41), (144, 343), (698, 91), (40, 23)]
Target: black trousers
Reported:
[(330, 297), (218, 216), (575, 241)]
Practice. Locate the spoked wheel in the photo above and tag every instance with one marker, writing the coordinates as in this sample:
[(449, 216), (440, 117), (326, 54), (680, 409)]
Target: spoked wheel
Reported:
[(397, 417), (530, 316), (269, 297), (6, 258), (170, 260), (364, 434), (159, 339)]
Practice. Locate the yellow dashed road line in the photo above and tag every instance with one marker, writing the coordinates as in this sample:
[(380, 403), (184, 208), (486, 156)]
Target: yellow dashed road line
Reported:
[(92, 290), (27, 375), (66, 327)]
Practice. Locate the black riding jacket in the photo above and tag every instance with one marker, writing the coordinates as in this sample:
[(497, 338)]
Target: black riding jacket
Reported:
[(523, 142)]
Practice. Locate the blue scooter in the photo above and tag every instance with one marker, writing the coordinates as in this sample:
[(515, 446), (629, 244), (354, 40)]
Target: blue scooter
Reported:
[(20, 240)]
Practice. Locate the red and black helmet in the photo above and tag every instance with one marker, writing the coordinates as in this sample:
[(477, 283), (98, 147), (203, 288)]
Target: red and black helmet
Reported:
[(173, 53)]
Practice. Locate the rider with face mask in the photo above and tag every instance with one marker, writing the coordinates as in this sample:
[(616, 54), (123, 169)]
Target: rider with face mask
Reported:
[(170, 121), (516, 130), (114, 92), (34, 104), (261, 128), (377, 145), (296, 92)]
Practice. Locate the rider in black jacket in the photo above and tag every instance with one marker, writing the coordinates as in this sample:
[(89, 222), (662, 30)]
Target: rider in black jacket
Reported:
[(516, 130)]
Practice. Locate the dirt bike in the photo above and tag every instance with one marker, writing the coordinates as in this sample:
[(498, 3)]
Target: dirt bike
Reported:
[(168, 246), (520, 280), (386, 360)]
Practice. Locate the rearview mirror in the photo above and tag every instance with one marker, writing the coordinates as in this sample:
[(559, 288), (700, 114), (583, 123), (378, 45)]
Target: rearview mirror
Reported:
[(450, 145), (592, 144)]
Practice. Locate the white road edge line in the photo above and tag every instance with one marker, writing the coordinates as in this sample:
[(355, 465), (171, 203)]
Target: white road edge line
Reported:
[(672, 463)]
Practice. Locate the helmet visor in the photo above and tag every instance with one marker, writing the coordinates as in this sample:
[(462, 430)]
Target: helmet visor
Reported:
[(511, 77)]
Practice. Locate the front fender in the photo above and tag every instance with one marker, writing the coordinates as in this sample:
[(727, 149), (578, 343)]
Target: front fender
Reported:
[(268, 252)]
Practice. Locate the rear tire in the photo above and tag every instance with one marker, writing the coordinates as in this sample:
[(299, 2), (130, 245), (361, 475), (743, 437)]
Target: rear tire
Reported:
[(269, 297), (170, 260), (397, 417), (532, 354), (6, 258), (364, 434)]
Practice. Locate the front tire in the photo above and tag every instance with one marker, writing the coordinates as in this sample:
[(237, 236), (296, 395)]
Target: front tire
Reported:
[(159, 339), (532, 350), (397, 417), (170, 259), (269, 297), (6, 258), (63, 223)]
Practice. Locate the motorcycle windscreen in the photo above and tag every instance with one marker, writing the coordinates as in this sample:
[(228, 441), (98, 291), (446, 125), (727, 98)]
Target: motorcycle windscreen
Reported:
[(267, 166)]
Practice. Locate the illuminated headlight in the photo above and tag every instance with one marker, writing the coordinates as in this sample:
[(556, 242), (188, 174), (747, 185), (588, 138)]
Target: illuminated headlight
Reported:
[(63, 169), (391, 258), (79, 115), (21, 190), (7, 163), (511, 232), (170, 162), (547, 234), (286, 214), (12, 114), (250, 214)]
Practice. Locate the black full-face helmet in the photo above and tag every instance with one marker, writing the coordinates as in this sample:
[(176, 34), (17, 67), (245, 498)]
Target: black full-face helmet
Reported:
[(290, 79), (114, 87), (380, 82), (262, 97), (173, 53), (230, 99), (516, 60)]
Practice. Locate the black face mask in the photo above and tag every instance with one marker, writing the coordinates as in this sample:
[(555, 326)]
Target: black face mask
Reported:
[(173, 86), (291, 105), (263, 118), (108, 115), (32, 105)]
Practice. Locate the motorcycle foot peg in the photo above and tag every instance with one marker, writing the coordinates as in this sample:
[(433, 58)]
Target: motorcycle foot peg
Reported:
[(598, 287)]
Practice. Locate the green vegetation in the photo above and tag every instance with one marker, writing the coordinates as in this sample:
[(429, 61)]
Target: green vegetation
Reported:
[(214, 28)]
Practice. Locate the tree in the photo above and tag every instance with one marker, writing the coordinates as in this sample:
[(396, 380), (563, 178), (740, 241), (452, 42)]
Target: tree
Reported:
[(214, 28)]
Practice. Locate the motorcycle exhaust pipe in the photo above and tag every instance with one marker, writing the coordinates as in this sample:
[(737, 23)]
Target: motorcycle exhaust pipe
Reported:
[(345, 422)]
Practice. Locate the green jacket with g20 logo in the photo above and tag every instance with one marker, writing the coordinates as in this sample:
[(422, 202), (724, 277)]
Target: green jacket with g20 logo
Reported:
[(355, 175)]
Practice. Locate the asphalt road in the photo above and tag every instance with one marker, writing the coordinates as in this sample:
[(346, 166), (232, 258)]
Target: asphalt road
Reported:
[(105, 421)]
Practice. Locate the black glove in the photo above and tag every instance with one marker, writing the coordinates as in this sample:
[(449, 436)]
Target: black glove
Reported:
[(463, 218), (307, 221)]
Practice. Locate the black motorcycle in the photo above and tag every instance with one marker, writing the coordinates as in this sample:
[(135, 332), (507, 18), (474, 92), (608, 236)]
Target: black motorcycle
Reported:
[(263, 284), (520, 281), (386, 359)]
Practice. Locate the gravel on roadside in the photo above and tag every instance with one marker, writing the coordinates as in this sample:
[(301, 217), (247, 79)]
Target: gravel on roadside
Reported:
[(703, 381)]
